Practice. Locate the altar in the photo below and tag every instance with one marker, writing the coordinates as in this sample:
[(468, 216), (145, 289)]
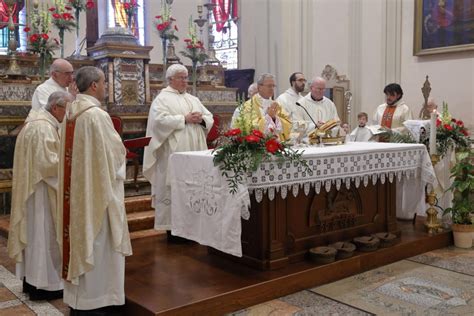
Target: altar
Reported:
[(283, 210)]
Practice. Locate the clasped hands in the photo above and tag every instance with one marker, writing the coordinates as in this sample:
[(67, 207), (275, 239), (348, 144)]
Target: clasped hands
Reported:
[(272, 110), (193, 118)]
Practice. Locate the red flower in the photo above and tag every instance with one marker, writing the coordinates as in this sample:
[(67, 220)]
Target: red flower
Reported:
[(57, 16), (233, 132), (272, 145), (126, 6), (252, 139), (160, 27), (34, 38), (438, 122), (26, 29), (90, 4), (257, 133), (460, 123), (67, 16), (448, 127), (187, 40), (52, 9), (67, 8), (158, 16), (453, 120), (465, 132), (190, 46), (45, 36)]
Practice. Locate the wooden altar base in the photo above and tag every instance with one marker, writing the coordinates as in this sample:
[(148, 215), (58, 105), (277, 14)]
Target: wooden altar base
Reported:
[(184, 279)]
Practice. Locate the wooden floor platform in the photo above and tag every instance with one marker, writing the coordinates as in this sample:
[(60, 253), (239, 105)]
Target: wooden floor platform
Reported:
[(184, 279)]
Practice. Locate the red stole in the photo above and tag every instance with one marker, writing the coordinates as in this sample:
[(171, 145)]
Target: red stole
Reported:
[(70, 126), (388, 116)]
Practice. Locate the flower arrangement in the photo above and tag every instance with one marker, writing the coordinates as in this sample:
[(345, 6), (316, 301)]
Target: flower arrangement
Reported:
[(450, 133), (194, 47), (79, 6), (39, 40), (165, 23), (62, 19), (130, 7), (242, 149)]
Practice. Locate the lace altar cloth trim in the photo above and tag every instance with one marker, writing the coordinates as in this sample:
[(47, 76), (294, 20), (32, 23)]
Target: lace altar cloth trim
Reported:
[(359, 163)]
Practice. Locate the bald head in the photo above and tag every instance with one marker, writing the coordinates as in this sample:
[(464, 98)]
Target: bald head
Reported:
[(318, 86), (61, 71)]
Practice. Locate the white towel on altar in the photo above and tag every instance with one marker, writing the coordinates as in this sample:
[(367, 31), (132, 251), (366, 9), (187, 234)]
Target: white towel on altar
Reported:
[(210, 214)]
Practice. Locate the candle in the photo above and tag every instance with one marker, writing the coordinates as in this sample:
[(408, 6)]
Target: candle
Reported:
[(433, 134)]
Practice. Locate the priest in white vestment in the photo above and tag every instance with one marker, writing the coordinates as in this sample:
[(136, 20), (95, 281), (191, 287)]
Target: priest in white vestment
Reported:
[(177, 122), (318, 108), (289, 98), (263, 113), (60, 79), (32, 235), (394, 111), (91, 210)]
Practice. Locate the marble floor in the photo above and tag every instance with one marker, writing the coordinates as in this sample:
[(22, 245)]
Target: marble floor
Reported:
[(439, 282)]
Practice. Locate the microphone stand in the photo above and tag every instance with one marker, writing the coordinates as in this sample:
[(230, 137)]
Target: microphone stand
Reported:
[(298, 104)]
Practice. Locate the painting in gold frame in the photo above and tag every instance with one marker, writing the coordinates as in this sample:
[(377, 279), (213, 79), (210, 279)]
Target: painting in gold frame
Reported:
[(443, 26)]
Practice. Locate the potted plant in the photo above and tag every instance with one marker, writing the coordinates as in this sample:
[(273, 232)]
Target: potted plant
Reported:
[(463, 202)]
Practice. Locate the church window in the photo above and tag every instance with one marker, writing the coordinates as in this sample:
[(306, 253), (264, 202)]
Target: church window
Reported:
[(224, 32), (117, 16), (19, 18)]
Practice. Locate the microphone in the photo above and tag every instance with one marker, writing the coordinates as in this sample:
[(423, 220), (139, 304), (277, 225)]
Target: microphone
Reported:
[(298, 104)]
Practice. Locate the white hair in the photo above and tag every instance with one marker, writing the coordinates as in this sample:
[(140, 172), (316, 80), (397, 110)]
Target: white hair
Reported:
[(253, 88), (59, 98), (317, 79), (264, 77), (174, 69)]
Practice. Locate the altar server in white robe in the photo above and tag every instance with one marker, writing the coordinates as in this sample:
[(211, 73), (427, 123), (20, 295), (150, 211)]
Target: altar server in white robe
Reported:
[(362, 133), (92, 222), (32, 235), (289, 98), (177, 122), (394, 111), (60, 79), (319, 108)]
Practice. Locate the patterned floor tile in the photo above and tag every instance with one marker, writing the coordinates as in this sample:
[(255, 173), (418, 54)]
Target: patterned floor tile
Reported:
[(25, 306), (314, 304), (275, 307), (451, 258), (6, 294), (405, 288)]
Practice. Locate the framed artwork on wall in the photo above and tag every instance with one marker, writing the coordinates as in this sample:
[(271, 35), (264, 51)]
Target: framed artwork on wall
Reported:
[(443, 26)]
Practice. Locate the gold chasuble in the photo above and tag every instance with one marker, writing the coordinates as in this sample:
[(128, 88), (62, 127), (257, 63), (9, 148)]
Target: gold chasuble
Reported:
[(90, 186), (254, 109)]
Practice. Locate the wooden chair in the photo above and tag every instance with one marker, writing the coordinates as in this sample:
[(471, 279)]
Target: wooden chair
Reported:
[(214, 133), (131, 145)]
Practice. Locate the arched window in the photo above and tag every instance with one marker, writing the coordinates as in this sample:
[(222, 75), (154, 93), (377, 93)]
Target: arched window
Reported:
[(5, 33), (225, 32), (116, 16)]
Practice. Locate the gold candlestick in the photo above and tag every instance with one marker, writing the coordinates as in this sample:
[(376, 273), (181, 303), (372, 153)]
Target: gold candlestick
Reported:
[(432, 223)]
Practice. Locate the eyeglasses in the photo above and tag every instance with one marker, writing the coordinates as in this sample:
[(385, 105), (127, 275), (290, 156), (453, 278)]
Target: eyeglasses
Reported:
[(181, 78), (269, 85)]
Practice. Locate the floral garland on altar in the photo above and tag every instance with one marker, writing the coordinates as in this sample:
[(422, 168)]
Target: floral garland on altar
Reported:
[(241, 150)]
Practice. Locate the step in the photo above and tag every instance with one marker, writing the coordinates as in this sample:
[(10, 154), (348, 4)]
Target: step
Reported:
[(137, 203), (146, 233), (142, 220)]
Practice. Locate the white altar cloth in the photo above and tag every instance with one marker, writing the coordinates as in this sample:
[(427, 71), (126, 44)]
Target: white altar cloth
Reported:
[(203, 209)]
